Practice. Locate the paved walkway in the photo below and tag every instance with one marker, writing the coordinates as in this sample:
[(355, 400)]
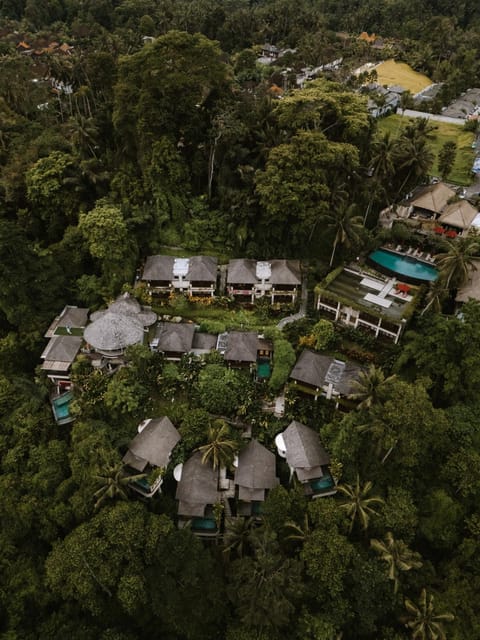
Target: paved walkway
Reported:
[(409, 113), (303, 307)]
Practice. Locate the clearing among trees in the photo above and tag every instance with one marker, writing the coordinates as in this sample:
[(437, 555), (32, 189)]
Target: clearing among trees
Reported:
[(391, 72)]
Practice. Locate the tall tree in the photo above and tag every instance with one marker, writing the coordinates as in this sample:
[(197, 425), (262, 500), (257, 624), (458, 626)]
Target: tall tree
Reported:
[(446, 158), (221, 447), (114, 483), (457, 259), (296, 188), (396, 555), (370, 388), (357, 503), (422, 620), (347, 227)]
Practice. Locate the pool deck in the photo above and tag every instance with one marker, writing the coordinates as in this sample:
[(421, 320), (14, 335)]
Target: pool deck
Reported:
[(410, 252)]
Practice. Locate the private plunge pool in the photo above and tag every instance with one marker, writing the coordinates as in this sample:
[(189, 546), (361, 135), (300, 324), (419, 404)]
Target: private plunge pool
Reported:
[(406, 267)]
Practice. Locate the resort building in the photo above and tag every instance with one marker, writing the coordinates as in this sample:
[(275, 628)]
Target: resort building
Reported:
[(254, 477), (320, 375), (197, 494), (149, 453), (174, 340), (195, 276), (306, 457), (278, 280), (122, 325), (365, 300), (65, 335), (242, 349), (434, 209)]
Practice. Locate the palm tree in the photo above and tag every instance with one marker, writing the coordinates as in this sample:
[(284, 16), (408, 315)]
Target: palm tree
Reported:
[(436, 295), (347, 225), (114, 482), (382, 169), (415, 157), (357, 504), (383, 155), (238, 535), (370, 387), (83, 134), (420, 129), (296, 532), (397, 556), (220, 448), (457, 261), (422, 620)]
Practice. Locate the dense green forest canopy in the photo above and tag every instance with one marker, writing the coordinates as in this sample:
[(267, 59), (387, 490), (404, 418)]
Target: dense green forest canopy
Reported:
[(147, 126)]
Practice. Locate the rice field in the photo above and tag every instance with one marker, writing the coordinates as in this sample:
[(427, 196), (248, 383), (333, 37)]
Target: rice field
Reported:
[(391, 72)]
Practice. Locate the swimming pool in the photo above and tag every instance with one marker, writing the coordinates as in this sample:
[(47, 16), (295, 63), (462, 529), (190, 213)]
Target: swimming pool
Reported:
[(410, 269)]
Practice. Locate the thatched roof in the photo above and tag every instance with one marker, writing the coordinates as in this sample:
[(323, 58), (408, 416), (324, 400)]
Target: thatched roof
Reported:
[(248, 271), (153, 445), (311, 368), (197, 488), (202, 268), (242, 271), (173, 337), (433, 198), (242, 346), (112, 332), (158, 268), (256, 467), (204, 341), (471, 289), (199, 268), (127, 305), (459, 214), (304, 451), (318, 370), (286, 272)]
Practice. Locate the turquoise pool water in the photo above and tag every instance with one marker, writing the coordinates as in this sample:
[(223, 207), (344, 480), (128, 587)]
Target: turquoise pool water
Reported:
[(405, 266)]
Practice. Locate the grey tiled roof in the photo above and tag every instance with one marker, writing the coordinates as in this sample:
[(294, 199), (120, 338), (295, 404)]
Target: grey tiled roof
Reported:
[(256, 467), (153, 445)]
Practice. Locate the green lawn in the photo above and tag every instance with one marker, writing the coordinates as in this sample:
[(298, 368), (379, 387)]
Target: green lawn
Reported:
[(461, 172)]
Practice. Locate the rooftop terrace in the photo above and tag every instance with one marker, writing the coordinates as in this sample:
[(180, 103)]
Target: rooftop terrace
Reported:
[(371, 292)]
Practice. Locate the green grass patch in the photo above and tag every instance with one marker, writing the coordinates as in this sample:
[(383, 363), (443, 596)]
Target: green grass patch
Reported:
[(245, 319), (461, 173), (72, 331)]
